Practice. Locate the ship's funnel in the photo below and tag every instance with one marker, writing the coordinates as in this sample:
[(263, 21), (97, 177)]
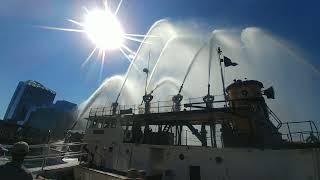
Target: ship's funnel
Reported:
[(269, 93)]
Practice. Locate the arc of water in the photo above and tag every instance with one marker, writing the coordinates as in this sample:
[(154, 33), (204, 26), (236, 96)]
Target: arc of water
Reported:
[(166, 80), (190, 65), (157, 62), (163, 81), (135, 57), (210, 61), (92, 98)]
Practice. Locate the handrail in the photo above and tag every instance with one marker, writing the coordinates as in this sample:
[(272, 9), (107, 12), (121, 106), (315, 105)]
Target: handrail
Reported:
[(275, 118), (104, 111), (311, 131), (46, 155), (51, 157), (46, 145), (157, 106)]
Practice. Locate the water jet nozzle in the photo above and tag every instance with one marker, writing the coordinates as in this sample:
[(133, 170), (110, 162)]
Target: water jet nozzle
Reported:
[(177, 102), (114, 108), (208, 99), (147, 99)]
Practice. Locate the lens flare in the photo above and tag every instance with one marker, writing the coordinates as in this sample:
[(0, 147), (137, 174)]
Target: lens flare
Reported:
[(105, 32), (103, 29)]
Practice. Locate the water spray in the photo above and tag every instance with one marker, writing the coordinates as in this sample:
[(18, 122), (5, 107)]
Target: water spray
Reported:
[(172, 38), (115, 104), (208, 99), (176, 99)]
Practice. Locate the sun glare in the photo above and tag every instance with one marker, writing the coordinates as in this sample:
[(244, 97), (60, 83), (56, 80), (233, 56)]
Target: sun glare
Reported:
[(103, 29), (105, 32)]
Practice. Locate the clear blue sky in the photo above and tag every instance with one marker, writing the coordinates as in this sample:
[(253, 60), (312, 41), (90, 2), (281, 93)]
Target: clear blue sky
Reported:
[(54, 58)]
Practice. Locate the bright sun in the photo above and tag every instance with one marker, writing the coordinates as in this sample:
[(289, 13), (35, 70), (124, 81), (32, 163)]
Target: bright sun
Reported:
[(103, 29)]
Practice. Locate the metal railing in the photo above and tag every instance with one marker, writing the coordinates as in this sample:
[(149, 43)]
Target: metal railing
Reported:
[(284, 128), (40, 155), (155, 107), (273, 117), (293, 132)]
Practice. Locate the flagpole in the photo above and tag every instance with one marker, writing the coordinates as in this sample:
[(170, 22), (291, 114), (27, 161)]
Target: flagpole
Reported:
[(219, 52)]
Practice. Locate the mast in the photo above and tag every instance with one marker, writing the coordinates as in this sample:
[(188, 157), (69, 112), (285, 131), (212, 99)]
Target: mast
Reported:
[(219, 52)]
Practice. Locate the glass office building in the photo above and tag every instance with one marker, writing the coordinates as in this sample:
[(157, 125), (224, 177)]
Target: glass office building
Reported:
[(27, 96)]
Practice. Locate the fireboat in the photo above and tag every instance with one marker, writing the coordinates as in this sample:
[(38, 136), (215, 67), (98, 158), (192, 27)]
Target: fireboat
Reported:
[(239, 137)]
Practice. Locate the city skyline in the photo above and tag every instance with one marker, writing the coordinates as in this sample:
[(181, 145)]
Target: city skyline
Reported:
[(54, 58)]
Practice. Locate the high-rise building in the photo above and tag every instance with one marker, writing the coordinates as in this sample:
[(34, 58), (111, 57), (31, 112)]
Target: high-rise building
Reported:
[(27, 96)]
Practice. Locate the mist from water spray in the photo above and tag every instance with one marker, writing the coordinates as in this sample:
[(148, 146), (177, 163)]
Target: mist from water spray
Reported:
[(261, 56)]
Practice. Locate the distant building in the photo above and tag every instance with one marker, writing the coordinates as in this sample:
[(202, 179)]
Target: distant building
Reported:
[(32, 108), (64, 106), (27, 96), (57, 118)]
